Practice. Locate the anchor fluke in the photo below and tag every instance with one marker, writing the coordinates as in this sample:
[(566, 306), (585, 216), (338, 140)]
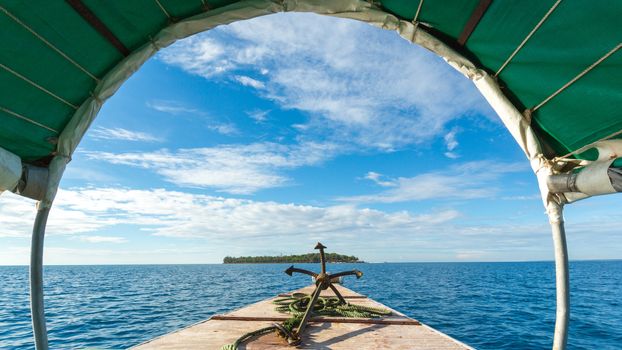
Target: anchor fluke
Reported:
[(290, 271), (356, 273)]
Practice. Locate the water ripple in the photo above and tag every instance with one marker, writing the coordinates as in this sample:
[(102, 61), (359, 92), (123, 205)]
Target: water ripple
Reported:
[(486, 305)]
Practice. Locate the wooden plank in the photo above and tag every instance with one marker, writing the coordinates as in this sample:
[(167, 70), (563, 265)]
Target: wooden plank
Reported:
[(335, 336), (319, 319), (286, 295), (397, 331)]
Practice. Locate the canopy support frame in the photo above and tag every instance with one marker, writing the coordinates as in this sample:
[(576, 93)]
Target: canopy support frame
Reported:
[(37, 306), (364, 11), (562, 275), (98, 25), (36, 279), (473, 21)]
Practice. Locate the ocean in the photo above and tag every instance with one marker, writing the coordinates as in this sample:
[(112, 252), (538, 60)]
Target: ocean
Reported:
[(485, 305)]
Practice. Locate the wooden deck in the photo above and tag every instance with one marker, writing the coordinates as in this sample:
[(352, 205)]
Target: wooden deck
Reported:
[(392, 332)]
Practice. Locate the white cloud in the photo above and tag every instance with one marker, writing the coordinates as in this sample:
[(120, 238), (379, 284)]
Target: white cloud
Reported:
[(450, 140), (357, 83), (451, 143), (171, 107), (200, 49), (178, 214), (532, 197), (101, 133), (377, 178), (104, 254), (248, 81), (17, 216), (217, 226), (451, 155), (102, 239), (470, 254), (224, 128), (258, 116), (175, 107), (464, 181), (76, 172), (239, 169)]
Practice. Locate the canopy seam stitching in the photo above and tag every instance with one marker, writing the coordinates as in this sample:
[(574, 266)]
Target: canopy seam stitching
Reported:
[(19, 116), (38, 86), (50, 45), (579, 76), (533, 31)]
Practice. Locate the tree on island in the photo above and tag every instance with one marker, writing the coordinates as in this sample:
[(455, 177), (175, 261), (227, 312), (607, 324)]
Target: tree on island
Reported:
[(303, 258)]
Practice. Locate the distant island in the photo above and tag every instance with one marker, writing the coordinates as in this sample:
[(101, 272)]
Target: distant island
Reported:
[(304, 258)]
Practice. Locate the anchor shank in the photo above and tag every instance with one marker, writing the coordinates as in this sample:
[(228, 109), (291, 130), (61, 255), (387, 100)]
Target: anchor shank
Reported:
[(321, 247), (307, 315)]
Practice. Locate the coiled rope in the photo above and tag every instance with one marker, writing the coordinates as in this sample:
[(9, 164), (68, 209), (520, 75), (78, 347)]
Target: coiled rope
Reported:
[(248, 336), (296, 305)]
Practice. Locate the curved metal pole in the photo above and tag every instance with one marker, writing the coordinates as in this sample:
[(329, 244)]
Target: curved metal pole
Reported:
[(36, 280), (562, 279)]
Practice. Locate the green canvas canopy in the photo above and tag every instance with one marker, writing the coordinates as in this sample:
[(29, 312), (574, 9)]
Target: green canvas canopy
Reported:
[(54, 54), (551, 69)]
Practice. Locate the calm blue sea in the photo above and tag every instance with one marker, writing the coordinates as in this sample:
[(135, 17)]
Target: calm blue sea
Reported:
[(486, 305)]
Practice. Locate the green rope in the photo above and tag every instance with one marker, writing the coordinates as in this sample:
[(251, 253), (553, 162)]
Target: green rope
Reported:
[(296, 305), (248, 336)]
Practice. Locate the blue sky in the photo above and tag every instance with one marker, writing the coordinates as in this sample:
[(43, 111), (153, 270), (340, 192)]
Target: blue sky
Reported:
[(266, 136)]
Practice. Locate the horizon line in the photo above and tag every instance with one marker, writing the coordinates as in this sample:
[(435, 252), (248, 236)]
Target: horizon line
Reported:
[(364, 262)]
